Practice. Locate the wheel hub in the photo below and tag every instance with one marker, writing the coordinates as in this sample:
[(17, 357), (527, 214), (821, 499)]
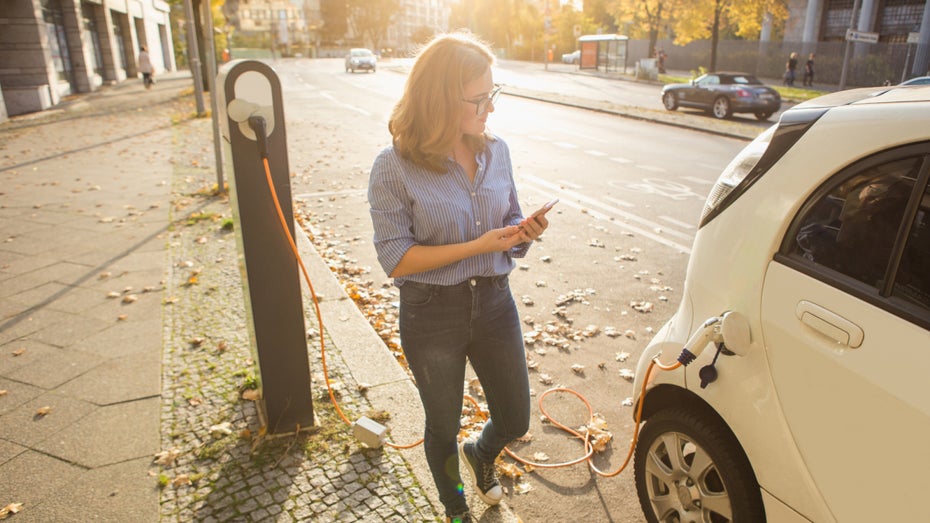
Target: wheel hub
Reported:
[(688, 494)]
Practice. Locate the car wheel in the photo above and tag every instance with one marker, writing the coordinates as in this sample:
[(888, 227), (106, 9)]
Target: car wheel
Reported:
[(689, 467), (721, 108), (763, 116), (670, 101)]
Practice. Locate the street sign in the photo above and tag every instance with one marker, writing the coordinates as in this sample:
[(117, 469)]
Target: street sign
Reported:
[(861, 36), (576, 30), (913, 38)]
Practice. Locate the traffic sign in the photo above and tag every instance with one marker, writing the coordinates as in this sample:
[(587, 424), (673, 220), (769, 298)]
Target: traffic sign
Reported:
[(861, 36)]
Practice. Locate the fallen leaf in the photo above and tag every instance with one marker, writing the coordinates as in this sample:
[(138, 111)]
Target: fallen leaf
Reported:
[(130, 298), (182, 479), (251, 395), (42, 411), (627, 374), (220, 430), (12, 508), (113, 295), (522, 487), (540, 456), (122, 317), (18, 352), (167, 457), (3, 392)]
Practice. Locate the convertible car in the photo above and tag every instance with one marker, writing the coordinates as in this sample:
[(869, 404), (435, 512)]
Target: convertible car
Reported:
[(723, 94)]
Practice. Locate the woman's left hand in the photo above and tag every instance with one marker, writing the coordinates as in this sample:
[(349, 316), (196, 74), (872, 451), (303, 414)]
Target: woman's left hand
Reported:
[(532, 228)]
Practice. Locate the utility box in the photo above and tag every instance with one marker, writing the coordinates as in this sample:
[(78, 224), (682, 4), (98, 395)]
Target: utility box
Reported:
[(249, 89)]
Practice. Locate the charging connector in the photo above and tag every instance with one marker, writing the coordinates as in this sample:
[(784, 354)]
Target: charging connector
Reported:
[(369, 432), (258, 126), (708, 332)]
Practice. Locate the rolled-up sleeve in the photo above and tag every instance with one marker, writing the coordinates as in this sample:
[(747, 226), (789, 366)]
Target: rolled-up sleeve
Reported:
[(391, 220)]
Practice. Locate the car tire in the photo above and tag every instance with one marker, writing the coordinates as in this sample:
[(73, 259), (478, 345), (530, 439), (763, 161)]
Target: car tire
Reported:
[(725, 489), (763, 115), (721, 108), (670, 101)]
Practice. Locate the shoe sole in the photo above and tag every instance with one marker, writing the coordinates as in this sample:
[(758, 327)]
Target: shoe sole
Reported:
[(474, 477)]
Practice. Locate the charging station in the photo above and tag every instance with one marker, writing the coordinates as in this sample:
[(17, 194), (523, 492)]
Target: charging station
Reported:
[(249, 89)]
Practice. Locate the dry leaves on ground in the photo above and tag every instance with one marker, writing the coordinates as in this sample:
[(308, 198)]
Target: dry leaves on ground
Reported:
[(12, 508)]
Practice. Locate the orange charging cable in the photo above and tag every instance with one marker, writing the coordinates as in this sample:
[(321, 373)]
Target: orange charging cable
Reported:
[(589, 448)]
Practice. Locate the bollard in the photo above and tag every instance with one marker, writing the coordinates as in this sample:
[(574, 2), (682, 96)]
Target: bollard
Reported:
[(270, 276)]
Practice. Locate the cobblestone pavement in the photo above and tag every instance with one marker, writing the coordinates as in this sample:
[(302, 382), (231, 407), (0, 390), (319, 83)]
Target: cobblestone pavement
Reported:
[(225, 469)]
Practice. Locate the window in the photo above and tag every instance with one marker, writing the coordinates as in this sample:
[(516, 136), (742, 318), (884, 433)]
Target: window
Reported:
[(853, 228), (868, 232), (912, 282)]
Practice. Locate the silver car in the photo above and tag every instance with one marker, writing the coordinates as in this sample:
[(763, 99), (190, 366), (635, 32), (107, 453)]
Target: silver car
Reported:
[(361, 58)]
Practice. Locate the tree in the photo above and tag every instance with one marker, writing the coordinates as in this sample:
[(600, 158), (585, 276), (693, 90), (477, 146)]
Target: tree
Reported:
[(710, 18), (334, 17), (649, 16), (369, 19), (598, 12)]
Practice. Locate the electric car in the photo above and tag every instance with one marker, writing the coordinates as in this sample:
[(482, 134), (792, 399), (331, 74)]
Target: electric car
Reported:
[(804, 326)]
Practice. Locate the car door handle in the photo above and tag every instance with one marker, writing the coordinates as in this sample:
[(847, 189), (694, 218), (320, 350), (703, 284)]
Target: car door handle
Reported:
[(829, 324)]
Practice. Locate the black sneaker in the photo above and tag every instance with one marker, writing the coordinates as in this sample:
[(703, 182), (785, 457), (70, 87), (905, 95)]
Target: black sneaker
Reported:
[(484, 475), (464, 517)]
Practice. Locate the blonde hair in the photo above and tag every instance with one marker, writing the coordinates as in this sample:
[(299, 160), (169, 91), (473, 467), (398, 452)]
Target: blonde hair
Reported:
[(425, 121)]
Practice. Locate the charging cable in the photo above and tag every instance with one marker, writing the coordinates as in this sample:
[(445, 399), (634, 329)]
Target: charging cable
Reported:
[(373, 434)]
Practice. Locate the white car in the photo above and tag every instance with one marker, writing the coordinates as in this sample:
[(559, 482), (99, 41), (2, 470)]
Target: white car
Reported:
[(572, 58), (360, 58), (806, 312)]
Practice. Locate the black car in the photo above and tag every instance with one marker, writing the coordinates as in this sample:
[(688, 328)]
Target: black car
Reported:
[(723, 94)]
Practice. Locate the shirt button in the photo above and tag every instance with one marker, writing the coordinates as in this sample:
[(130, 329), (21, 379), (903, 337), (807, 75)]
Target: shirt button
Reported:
[(473, 195), (472, 282), (477, 223)]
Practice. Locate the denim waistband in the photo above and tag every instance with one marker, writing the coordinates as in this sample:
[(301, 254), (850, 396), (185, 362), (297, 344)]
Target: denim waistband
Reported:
[(474, 281)]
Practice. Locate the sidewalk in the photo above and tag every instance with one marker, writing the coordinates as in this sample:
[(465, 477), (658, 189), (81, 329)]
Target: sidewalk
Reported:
[(124, 344)]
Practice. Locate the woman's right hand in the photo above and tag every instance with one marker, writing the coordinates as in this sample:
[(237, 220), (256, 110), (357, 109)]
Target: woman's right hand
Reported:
[(502, 239)]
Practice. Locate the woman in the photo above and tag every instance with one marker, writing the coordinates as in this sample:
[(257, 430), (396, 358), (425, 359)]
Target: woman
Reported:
[(447, 225), (145, 67)]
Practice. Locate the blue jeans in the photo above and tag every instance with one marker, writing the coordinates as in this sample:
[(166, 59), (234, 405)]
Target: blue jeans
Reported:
[(441, 326)]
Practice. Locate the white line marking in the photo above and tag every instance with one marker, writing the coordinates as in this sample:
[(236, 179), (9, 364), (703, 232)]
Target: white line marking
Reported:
[(567, 183), (652, 168), (566, 145), (621, 160), (678, 223), (591, 202), (596, 153), (349, 106), (695, 179), (538, 138), (619, 202), (310, 195)]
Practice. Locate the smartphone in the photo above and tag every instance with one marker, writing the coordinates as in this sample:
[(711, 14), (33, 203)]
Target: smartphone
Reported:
[(545, 208)]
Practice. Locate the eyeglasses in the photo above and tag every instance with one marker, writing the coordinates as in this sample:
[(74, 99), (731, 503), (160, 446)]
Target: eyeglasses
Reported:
[(482, 104)]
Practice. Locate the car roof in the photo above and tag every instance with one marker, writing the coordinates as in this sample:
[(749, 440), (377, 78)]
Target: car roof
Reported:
[(870, 95)]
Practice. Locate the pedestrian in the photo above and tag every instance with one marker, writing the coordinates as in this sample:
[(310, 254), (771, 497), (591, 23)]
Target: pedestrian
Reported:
[(145, 67), (227, 56), (809, 71), (790, 69), (447, 227), (660, 60)]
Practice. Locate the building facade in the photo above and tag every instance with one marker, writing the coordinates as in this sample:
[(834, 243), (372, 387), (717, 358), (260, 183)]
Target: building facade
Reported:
[(50, 49)]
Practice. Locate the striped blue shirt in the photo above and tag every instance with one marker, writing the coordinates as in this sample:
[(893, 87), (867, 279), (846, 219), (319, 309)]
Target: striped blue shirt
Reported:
[(411, 206)]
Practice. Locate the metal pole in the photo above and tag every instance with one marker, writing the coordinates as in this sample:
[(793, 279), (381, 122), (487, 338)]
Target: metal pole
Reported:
[(193, 56), (210, 51), (852, 25)]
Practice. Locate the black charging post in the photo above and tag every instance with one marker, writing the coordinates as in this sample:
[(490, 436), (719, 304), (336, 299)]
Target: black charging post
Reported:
[(250, 90)]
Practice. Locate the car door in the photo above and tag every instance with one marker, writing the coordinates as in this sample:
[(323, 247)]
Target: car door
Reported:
[(845, 319), (704, 94)]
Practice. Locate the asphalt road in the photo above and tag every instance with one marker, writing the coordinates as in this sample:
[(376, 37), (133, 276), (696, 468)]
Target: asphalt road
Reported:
[(605, 276)]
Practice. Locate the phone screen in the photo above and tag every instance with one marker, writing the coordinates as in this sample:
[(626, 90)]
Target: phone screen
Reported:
[(545, 208)]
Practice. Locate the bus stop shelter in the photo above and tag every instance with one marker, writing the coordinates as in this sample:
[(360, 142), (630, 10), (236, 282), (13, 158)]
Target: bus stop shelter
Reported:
[(604, 51)]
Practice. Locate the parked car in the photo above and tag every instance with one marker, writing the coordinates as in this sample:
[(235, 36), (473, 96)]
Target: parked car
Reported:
[(723, 94), (362, 59), (920, 80), (806, 312), (571, 58)]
